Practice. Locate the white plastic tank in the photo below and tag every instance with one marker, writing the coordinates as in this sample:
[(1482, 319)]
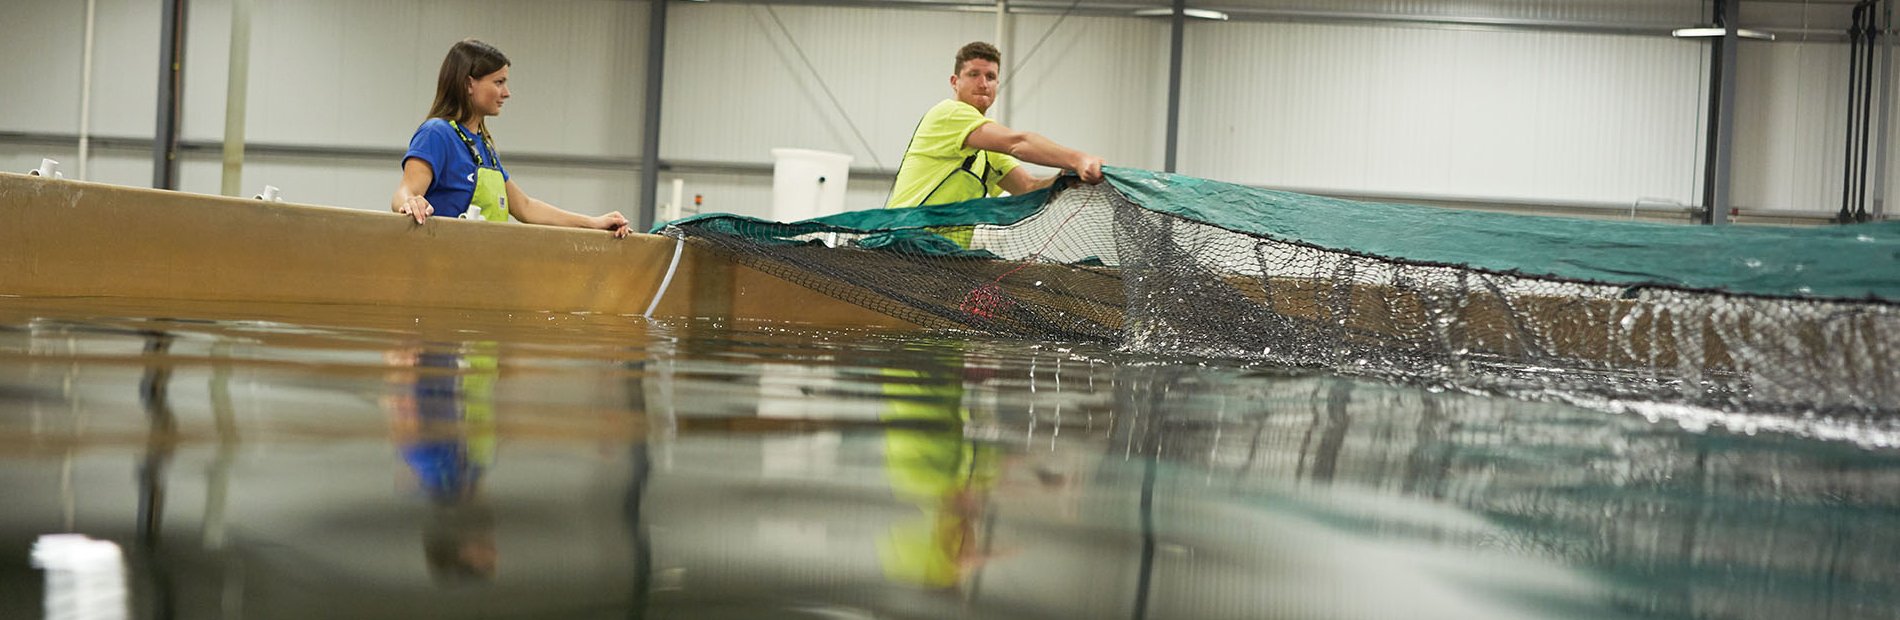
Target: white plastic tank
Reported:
[(808, 183)]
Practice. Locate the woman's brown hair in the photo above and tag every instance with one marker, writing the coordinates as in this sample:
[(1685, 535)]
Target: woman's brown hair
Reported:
[(468, 58)]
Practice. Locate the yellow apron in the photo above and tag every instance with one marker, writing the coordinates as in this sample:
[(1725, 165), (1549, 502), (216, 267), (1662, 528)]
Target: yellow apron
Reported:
[(478, 402), (490, 198)]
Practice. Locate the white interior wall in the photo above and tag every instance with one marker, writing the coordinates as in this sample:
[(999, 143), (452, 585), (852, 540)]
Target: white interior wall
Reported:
[(1099, 84), (356, 73), (1505, 115), (45, 40), (1621, 12), (1790, 137), (737, 87), (1514, 115), (361, 73)]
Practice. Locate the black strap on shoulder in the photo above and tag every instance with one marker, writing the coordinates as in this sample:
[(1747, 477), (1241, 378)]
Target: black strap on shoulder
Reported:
[(970, 161)]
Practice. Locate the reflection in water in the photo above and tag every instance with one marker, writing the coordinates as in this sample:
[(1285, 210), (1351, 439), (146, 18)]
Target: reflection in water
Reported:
[(708, 471), (444, 421), (931, 464), (154, 395)]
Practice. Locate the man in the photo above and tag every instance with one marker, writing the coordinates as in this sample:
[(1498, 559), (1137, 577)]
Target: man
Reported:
[(957, 154)]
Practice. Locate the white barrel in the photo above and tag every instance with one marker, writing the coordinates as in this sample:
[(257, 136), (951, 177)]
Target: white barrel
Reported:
[(85, 578), (808, 184)]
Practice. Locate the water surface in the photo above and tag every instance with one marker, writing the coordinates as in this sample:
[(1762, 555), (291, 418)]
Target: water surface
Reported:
[(372, 462)]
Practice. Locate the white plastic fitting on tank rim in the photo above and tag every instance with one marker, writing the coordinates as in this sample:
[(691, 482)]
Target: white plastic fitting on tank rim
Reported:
[(48, 169)]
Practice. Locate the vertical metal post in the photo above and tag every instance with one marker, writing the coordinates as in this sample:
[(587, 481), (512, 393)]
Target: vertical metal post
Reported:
[(1866, 111), (1848, 179), (1005, 37), (85, 90), (650, 150), (1726, 118), (171, 83), (1714, 110), (1886, 110), (1178, 23), (237, 92)]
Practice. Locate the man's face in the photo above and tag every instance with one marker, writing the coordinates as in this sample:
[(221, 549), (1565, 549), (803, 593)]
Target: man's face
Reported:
[(975, 83)]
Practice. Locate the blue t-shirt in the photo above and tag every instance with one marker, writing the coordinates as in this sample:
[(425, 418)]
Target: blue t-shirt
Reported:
[(435, 142)]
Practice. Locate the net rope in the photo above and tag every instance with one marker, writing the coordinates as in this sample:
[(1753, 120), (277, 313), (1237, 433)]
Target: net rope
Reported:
[(1090, 264)]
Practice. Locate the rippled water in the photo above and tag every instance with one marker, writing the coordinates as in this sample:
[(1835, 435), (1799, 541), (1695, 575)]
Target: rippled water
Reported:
[(364, 462)]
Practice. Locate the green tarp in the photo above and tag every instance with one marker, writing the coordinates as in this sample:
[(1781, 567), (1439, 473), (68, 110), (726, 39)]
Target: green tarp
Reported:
[(1859, 261)]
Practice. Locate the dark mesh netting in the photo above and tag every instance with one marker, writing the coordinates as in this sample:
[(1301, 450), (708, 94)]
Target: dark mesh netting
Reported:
[(1056, 277), (1206, 291), (1091, 264)]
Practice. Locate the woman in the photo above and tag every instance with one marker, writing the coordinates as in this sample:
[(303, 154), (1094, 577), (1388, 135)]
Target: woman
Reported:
[(452, 168)]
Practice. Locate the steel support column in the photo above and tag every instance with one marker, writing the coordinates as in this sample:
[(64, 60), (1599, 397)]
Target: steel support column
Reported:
[(1721, 129), (171, 87), (1006, 45), (1178, 27), (1879, 209), (650, 136)]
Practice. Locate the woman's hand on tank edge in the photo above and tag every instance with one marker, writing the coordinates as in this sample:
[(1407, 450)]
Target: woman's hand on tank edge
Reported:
[(417, 207), (614, 223)]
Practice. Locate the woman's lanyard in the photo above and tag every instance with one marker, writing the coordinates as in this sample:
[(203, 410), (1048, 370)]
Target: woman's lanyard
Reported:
[(488, 199), (479, 163)]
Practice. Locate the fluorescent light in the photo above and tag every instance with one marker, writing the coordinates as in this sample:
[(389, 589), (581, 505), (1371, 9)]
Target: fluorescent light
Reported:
[(1198, 13), (1694, 33)]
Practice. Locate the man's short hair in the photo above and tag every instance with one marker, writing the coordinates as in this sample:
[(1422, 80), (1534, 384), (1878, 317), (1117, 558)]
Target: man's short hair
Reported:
[(975, 51)]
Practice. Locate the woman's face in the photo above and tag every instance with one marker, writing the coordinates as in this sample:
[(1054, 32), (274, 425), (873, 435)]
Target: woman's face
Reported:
[(486, 93)]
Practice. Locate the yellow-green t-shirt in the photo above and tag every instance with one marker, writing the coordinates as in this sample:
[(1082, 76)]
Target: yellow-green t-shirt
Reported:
[(933, 171)]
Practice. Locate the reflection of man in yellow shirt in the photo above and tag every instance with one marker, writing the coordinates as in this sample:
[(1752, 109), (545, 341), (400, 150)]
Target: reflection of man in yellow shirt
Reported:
[(957, 154), (935, 467)]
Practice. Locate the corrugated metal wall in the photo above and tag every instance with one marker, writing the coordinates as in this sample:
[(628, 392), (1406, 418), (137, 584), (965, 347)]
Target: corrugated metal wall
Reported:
[(737, 87), (1352, 107), (1790, 138), (1638, 12), (1508, 115), (1098, 84), (43, 41), (355, 73)]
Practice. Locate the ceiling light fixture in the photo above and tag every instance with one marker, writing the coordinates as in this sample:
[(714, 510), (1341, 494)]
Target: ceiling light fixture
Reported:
[(1195, 13), (1705, 32)]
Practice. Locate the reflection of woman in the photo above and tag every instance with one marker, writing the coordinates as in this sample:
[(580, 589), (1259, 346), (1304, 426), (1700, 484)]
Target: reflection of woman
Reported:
[(447, 437), (455, 440), (452, 169)]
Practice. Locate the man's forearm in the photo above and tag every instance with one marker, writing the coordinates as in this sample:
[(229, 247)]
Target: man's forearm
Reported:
[(1036, 149)]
